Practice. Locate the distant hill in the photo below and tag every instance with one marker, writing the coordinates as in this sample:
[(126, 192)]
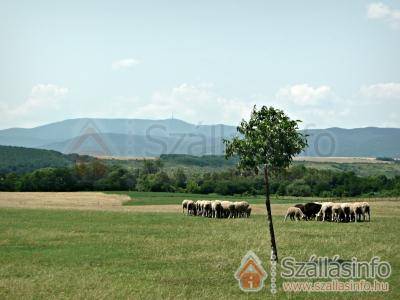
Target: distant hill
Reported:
[(357, 142), (141, 137), (21, 160)]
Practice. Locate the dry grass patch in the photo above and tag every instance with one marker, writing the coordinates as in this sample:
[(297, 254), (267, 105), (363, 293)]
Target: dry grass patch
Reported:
[(62, 200)]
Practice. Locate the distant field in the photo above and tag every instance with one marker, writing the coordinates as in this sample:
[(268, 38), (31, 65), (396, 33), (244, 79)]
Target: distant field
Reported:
[(362, 166), (149, 198), (139, 158), (369, 160), (148, 255), (361, 169), (348, 160), (62, 200)]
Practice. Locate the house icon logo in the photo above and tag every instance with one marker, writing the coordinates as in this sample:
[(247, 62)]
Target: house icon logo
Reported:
[(89, 141), (251, 274)]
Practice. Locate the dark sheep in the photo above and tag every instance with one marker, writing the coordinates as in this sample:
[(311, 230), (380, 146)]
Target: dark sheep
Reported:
[(311, 209), (301, 206), (191, 208)]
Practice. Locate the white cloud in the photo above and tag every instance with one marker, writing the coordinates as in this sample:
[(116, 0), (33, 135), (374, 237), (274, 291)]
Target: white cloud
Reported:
[(124, 63), (45, 95), (43, 100), (317, 106), (380, 11), (196, 103), (382, 91), (189, 102), (304, 94)]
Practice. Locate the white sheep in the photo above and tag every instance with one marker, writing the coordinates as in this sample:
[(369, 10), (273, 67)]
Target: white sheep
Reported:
[(184, 205), (336, 212), (325, 211), (294, 213), (346, 208), (216, 208), (357, 211), (366, 210), (227, 207)]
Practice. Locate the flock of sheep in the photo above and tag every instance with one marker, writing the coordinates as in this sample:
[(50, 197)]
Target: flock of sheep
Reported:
[(217, 208), (329, 211), (325, 211)]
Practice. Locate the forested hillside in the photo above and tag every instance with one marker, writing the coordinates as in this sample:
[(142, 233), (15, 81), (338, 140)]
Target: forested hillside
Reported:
[(22, 160), (152, 177)]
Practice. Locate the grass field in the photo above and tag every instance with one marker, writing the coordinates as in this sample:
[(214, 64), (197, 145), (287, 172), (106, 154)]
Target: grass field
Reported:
[(153, 198), (147, 255)]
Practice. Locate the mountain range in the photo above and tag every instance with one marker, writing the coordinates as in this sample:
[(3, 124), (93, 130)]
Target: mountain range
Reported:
[(145, 138)]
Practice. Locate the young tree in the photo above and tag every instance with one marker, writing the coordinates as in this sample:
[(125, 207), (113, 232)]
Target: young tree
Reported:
[(268, 142)]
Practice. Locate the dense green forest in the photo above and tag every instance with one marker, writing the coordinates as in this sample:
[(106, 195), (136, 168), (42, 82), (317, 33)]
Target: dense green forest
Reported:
[(151, 176), (25, 169), (22, 160)]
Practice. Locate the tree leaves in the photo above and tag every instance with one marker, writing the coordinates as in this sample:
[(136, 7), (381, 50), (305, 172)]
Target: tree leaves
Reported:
[(270, 138)]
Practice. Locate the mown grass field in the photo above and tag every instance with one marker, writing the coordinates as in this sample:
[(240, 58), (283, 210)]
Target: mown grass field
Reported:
[(103, 254)]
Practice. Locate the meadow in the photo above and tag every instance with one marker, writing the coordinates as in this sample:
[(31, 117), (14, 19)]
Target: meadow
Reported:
[(165, 198), (87, 254)]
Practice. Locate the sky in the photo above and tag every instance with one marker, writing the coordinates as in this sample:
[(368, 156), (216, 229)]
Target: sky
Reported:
[(327, 63)]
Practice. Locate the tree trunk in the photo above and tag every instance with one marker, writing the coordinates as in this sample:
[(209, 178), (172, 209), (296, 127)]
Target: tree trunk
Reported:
[(274, 252)]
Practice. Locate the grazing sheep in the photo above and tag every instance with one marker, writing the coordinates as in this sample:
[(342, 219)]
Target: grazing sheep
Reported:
[(357, 211), (336, 212), (184, 205), (301, 206), (240, 208), (294, 213), (325, 211), (248, 212), (346, 209), (366, 210), (232, 210), (191, 208), (216, 208), (311, 209), (207, 209), (228, 208), (200, 207)]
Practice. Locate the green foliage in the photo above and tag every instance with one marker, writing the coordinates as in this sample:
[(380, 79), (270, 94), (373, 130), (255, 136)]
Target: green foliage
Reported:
[(298, 188), (270, 138), (21, 160), (180, 178), (152, 166), (192, 187), (295, 181)]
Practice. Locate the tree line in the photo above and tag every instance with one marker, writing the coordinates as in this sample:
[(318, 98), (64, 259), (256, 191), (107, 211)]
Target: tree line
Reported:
[(298, 180), (22, 160)]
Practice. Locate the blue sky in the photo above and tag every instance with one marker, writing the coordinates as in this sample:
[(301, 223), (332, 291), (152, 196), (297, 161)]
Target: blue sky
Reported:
[(327, 63)]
